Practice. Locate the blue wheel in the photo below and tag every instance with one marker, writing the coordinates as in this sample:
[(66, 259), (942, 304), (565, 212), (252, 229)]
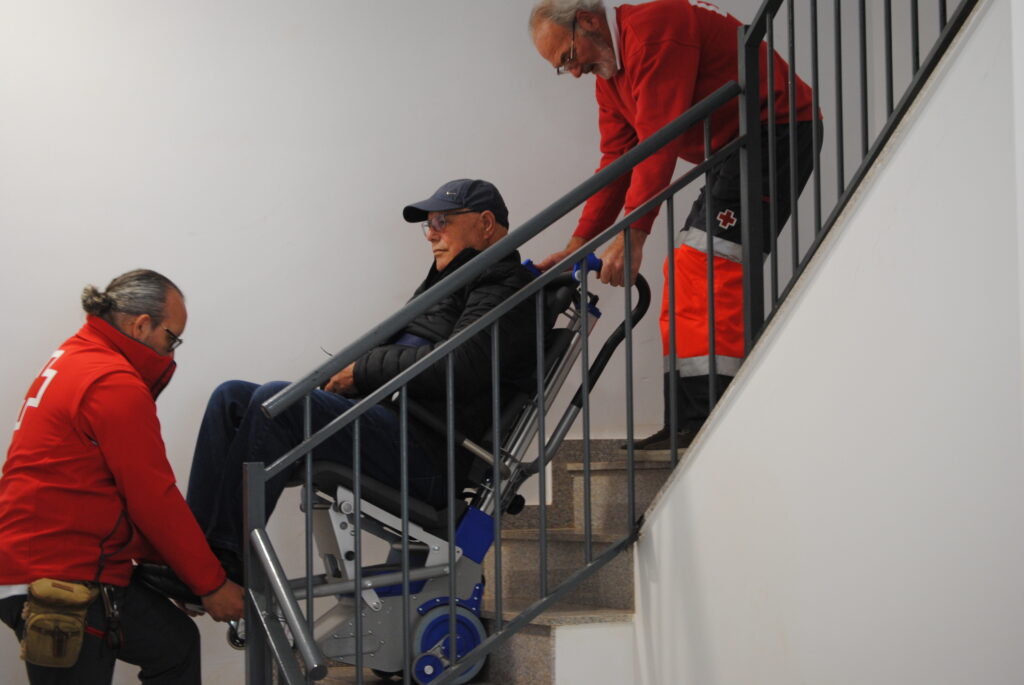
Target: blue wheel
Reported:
[(431, 644)]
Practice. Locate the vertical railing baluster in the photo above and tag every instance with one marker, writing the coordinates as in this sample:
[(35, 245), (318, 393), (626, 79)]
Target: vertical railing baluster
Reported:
[(258, 667), (403, 437), (628, 318), (673, 354), (752, 221), (815, 132), (838, 38), (862, 17), (307, 501), (449, 382), (794, 212), (888, 58), (542, 510), (773, 175), (709, 234), (915, 38), (943, 15), (496, 453), (588, 547), (357, 495)]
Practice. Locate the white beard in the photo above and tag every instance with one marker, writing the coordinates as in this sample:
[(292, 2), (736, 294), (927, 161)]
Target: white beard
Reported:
[(604, 66)]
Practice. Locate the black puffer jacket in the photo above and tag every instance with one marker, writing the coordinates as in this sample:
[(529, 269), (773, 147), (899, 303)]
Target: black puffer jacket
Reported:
[(471, 361)]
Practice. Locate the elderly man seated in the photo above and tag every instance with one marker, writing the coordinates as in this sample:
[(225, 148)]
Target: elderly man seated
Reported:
[(459, 221)]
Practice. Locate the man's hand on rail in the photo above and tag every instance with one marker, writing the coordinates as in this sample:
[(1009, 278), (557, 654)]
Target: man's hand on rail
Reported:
[(556, 257), (343, 382), (614, 258), (227, 603)]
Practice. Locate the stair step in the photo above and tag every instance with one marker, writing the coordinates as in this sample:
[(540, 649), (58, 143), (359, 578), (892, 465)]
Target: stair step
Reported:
[(609, 587), (609, 494), (559, 535), (572, 450), (561, 614), (662, 462), (529, 657)]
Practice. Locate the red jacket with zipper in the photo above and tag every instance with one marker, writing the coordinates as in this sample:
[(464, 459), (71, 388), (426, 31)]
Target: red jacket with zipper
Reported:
[(674, 54), (86, 482)]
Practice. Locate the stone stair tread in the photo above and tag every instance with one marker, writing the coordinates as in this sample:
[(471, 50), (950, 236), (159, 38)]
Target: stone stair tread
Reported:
[(562, 614), (560, 535), (658, 461)]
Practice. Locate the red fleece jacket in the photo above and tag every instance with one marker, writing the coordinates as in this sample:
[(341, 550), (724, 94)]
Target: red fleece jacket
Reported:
[(87, 476), (674, 54)]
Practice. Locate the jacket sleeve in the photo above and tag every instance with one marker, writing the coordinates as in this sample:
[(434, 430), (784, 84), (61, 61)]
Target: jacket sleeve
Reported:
[(617, 138), (121, 416), (664, 76), (471, 361)]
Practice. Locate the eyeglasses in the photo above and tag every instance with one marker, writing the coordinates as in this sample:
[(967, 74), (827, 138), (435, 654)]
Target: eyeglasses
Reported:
[(439, 221), (570, 58), (175, 340)]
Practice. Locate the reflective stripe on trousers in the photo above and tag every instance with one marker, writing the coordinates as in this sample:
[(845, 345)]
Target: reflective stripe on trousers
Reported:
[(691, 281)]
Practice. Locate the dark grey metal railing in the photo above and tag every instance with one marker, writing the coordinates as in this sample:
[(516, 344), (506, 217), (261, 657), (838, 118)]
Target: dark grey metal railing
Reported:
[(885, 79), (273, 600)]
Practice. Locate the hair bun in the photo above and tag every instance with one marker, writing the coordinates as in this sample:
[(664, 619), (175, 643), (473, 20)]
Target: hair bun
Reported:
[(96, 303)]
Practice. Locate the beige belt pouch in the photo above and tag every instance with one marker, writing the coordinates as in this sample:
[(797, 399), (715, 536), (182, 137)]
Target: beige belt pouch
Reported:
[(55, 622)]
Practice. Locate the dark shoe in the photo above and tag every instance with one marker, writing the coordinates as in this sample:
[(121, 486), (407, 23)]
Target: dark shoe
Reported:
[(162, 580), (661, 440)]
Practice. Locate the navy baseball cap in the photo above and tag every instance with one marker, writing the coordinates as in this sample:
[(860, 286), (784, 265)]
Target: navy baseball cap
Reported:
[(461, 193)]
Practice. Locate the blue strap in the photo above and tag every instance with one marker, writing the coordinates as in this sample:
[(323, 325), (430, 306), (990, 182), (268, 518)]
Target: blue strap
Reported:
[(410, 340)]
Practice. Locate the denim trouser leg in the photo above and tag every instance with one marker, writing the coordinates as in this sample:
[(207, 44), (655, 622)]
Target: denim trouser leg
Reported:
[(234, 430)]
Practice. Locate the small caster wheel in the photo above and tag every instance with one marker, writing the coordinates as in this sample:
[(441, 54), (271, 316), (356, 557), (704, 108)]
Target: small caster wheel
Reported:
[(236, 634), (386, 675)]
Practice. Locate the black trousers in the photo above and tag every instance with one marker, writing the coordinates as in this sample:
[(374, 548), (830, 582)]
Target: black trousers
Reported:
[(155, 635)]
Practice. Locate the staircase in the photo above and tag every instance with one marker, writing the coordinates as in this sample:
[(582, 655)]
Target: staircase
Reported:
[(545, 648), (604, 601)]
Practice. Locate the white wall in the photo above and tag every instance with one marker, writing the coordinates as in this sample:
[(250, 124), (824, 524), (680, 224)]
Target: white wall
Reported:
[(1018, 110), (259, 154), (853, 513)]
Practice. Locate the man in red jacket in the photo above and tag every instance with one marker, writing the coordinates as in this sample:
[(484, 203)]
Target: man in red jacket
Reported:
[(653, 62), (87, 488)]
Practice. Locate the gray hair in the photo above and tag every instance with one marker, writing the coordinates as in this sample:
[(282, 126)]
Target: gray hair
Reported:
[(562, 12), (137, 292)]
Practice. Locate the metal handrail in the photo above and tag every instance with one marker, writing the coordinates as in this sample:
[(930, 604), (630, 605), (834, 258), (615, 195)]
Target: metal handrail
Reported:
[(389, 388), (380, 333)]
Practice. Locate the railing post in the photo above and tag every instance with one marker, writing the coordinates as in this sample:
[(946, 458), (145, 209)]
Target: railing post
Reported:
[(257, 656), (751, 192)]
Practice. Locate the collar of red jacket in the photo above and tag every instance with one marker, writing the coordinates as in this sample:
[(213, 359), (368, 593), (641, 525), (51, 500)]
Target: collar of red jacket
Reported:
[(156, 370)]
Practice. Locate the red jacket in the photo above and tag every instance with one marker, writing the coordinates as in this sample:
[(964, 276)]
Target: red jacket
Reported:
[(86, 471), (674, 53)]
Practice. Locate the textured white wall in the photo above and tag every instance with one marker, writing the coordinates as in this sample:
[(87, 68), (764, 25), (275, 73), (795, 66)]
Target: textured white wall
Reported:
[(259, 154), (1018, 101), (853, 515)]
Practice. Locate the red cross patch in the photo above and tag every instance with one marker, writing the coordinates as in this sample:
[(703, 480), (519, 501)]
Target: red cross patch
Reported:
[(726, 219)]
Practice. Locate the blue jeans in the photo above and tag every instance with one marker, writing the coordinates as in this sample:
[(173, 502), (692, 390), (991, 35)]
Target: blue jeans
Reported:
[(234, 430)]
